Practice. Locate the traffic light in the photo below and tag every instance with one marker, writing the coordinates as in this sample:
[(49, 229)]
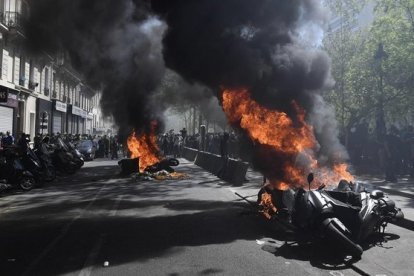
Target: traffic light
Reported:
[(44, 120)]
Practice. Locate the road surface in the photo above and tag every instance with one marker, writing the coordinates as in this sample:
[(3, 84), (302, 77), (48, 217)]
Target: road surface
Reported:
[(96, 223)]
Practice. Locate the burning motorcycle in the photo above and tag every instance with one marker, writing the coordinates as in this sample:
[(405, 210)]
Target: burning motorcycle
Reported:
[(346, 216)]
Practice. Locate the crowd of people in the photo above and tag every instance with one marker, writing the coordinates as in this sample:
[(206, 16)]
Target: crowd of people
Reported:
[(172, 143), (391, 154), (105, 146)]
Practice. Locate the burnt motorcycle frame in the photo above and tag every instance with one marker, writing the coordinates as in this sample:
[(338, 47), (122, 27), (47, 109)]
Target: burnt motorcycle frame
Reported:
[(345, 217)]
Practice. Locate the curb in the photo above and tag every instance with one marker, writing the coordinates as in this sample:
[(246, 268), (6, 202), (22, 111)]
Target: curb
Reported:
[(405, 223), (395, 192)]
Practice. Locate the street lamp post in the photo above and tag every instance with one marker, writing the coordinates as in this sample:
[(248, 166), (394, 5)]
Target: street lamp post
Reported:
[(380, 55)]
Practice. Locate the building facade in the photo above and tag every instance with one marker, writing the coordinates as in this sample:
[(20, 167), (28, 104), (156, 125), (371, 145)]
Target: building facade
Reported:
[(40, 94)]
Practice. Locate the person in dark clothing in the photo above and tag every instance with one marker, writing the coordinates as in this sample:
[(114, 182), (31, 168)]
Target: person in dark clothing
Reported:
[(164, 145), (224, 152), (409, 140), (8, 140), (114, 148), (106, 144), (22, 143), (184, 135), (391, 156)]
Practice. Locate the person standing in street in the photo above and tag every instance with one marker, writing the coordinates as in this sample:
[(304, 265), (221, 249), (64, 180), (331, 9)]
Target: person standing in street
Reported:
[(106, 146), (22, 143), (224, 152), (8, 140), (114, 148)]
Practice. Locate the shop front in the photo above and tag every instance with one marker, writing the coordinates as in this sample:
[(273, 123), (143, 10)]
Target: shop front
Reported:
[(8, 110), (89, 120), (58, 117), (77, 116)]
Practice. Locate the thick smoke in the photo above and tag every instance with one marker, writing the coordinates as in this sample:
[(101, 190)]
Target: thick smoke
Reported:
[(123, 46), (254, 44), (177, 93), (115, 45)]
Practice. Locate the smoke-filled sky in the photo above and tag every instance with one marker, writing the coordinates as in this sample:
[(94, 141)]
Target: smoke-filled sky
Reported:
[(126, 47)]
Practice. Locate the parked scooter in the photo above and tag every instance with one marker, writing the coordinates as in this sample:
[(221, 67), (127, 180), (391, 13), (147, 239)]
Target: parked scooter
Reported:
[(346, 218), (12, 171), (78, 157), (45, 160), (62, 158)]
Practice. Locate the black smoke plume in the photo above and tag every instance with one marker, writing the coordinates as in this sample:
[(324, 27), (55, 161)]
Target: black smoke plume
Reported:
[(123, 47), (115, 45), (257, 45)]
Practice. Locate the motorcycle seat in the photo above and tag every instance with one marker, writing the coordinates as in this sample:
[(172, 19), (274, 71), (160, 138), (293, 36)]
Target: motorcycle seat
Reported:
[(337, 203), (346, 197)]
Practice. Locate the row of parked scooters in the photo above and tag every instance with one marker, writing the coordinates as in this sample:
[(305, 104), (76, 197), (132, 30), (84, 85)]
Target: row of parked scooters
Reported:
[(28, 168)]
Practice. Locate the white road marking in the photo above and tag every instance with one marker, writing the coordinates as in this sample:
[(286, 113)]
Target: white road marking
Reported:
[(62, 234), (88, 266)]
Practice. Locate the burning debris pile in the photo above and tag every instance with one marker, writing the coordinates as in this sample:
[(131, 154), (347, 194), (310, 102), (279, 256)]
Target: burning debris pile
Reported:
[(286, 145), (146, 162)]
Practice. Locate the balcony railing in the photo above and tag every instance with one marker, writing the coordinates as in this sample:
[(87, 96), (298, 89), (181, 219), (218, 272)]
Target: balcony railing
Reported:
[(11, 19)]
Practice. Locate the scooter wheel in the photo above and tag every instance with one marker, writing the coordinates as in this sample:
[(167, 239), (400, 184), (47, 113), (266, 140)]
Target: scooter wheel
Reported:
[(71, 169), (27, 183), (50, 174), (173, 162)]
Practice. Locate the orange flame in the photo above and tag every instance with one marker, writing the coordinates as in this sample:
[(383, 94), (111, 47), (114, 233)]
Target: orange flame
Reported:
[(268, 208), (144, 146), (295, 141)]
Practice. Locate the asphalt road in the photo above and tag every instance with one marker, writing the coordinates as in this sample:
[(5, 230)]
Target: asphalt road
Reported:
[(95, 223)]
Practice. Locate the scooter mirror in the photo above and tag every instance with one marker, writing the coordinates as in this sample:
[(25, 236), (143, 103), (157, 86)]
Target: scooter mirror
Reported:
[(310, 178)]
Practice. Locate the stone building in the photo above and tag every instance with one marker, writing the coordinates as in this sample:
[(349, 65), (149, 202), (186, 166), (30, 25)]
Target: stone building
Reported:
[(41, 94)]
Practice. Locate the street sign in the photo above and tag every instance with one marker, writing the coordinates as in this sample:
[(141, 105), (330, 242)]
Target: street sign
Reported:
[(4, 95)]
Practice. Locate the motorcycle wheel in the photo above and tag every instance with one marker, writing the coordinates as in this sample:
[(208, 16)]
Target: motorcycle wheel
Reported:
[(49, 174), (335, 234), (173, 162), (71, 169), (26, 183)]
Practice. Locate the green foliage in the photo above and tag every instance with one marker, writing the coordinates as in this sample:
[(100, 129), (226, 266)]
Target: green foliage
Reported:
[(359, 91)]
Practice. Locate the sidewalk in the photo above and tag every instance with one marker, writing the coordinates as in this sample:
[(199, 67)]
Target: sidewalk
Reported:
[(404, 186)]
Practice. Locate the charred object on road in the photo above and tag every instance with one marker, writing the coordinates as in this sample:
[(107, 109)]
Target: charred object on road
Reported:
[(159, 171), (345, 216)]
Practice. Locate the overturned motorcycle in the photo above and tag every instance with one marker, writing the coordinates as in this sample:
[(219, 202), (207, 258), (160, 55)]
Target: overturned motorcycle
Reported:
[(345, 216)]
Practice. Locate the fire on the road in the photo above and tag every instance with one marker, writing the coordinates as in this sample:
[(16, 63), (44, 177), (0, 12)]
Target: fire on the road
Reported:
[(293, 143), (144, 146)]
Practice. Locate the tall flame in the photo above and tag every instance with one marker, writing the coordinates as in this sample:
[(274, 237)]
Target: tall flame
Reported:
[(292, 142), (144, 146)]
